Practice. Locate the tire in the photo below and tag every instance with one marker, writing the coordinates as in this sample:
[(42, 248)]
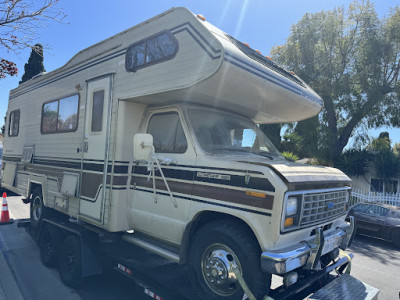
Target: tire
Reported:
[(70, 261), (214, 246), (49, 245), (396, 238), (38, 211)]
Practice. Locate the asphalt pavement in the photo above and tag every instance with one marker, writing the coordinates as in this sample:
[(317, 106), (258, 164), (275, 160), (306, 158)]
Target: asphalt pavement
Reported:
[(22, 275)]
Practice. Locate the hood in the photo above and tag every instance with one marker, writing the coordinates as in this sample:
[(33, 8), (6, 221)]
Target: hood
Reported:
[(294, 172)]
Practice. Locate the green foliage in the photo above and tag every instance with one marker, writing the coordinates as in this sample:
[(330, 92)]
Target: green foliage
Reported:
[(387, 164), (35, 64), (382, 143), (396, 149), (3, 128), (273, 132), (292, 142), (354, 162), (351, 58), (290, 155)]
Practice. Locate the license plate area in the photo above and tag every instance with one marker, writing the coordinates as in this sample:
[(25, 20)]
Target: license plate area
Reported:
[(330, 243)]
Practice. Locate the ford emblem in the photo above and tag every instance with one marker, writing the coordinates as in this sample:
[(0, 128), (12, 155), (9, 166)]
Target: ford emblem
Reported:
[(330, 205)]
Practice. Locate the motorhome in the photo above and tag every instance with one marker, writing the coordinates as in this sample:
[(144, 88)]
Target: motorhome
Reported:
[(152, 134)]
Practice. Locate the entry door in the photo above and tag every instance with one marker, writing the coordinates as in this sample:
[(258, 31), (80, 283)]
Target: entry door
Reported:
[(95, 148)]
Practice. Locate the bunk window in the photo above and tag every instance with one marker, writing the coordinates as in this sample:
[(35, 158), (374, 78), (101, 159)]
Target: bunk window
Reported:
[(160, 47), (13, 126), (167, 132), (97, 111), (60, 115)]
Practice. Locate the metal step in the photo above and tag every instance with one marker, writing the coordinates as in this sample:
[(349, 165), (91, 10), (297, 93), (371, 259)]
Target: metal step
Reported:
[(153, 247)]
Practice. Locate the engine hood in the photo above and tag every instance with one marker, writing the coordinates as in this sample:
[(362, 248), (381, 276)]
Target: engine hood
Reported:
[(293, 172)]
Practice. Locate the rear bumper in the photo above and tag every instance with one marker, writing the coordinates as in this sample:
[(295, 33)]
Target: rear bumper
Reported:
[(307, 253)]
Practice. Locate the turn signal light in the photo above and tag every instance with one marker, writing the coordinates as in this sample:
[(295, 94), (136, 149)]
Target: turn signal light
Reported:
[(256, 194), (288, 222)]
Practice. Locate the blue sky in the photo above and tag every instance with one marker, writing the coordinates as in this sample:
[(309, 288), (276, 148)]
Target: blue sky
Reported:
[(261, 23)]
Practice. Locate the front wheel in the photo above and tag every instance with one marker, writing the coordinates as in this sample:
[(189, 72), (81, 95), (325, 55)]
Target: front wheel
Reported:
[(216, 249)]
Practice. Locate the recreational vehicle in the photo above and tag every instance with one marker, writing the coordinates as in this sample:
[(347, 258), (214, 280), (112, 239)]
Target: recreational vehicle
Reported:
[(151, 136)]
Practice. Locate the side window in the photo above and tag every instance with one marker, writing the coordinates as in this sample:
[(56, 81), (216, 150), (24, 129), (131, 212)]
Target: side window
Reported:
[(97, 111), (160, 47), (13, 125), (360, 208), (60, 115), (167, 132), (378, 210)]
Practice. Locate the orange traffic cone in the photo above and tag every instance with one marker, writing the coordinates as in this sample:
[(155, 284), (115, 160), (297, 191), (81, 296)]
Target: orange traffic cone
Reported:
[(5, 216)]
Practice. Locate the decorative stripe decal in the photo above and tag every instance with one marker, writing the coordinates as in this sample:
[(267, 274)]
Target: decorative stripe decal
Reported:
[(242, 180), (235, 180), (211, 203)]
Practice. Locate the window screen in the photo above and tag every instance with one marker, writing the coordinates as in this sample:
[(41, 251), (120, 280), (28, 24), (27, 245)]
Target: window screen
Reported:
[(97, 111), (167, 132), (13, 127), (160, 47), (60, 115)]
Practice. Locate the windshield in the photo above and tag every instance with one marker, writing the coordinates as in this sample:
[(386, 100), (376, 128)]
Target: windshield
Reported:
[(219, 133)]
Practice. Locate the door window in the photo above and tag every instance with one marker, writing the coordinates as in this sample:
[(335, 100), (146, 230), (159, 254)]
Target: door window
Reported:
[(97, 111), (167, 132)]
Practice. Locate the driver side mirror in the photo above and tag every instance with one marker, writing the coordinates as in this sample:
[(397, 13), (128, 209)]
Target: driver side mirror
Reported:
[(143, 146)]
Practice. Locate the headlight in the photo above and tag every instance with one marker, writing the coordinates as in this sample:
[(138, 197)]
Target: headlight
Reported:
[(291, 206)]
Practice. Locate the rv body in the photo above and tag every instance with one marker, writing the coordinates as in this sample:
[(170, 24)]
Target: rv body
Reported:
[(70, 141)]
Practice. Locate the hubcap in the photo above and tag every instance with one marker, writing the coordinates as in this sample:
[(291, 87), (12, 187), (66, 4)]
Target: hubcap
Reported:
[(217, 270), (37, 208)]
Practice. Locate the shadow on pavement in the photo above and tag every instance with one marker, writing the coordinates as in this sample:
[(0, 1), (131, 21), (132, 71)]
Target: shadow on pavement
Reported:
[(383, 251)]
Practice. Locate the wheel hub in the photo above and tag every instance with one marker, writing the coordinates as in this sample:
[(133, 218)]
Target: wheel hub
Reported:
[(218, 272), (36, 209)]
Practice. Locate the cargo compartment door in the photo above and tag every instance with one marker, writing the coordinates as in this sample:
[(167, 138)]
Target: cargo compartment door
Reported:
[(95, 147)]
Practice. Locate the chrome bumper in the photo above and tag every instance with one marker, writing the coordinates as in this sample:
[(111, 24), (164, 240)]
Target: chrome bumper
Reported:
[(307, 253)]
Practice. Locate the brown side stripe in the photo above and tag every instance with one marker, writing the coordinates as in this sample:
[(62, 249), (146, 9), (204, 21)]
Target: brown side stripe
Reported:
[(217, 193)]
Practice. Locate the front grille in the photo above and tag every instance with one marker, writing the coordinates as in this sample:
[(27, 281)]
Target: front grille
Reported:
[(321, 206)]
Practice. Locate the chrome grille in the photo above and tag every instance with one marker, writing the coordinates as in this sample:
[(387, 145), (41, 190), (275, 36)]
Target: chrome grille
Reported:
[(321, 206)]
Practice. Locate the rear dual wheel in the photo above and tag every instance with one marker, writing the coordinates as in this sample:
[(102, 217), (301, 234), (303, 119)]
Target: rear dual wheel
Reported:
[(49, 244), (70, 261)]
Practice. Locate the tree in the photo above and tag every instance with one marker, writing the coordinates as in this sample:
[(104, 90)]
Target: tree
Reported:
[(382, 143), (3, 128), (273, 132), (354, 162), (352, 59), (35, 64), (19, 20)]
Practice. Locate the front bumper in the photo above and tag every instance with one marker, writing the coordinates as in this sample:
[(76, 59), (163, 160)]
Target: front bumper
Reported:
[(307, 253)]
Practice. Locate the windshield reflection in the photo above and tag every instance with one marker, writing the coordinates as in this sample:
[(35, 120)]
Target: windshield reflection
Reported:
[(222, 133)]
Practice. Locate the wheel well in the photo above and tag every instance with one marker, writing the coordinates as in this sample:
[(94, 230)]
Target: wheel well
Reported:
[(35, 186), (202, 219)]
